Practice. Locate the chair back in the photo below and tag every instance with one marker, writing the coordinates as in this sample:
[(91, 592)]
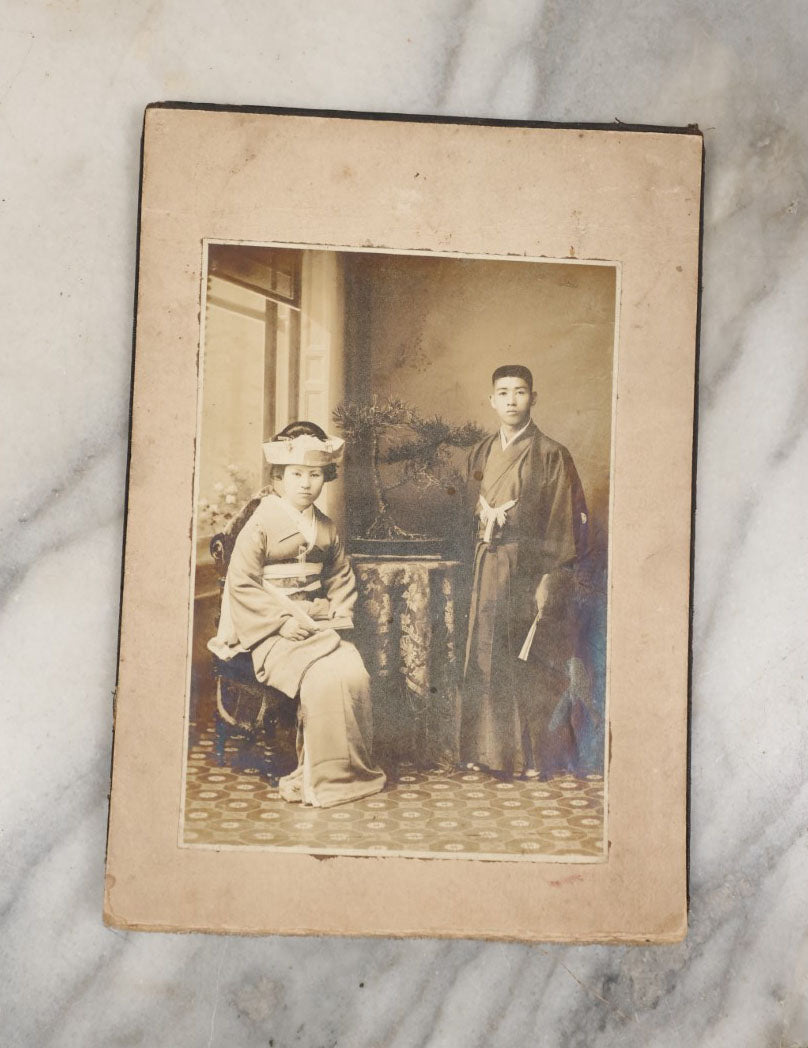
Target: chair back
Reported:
[(222, 543)]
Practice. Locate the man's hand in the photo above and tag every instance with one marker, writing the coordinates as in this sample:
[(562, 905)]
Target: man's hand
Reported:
[(294, 630), (542, 594)]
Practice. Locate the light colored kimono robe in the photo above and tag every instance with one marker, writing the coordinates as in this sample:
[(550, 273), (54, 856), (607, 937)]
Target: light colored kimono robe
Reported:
[(280, 549), (507, 703)]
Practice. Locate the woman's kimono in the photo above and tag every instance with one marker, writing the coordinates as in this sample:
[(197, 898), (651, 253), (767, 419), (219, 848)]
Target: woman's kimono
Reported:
[(281, 555)]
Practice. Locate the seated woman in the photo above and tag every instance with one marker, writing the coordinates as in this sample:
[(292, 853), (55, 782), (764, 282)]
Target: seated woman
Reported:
[(289, 587)]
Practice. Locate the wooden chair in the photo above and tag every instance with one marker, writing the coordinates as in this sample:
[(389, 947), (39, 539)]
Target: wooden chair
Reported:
[(245, 708)]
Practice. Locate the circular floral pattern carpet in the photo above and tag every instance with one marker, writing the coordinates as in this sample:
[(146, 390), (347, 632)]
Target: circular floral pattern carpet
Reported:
[(446, 814)]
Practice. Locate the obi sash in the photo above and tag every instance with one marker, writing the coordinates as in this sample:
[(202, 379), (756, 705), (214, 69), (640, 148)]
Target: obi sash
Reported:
[(294, 576)]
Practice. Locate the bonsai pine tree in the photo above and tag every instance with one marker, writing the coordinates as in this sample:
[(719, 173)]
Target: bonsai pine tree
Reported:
[(423, 453)]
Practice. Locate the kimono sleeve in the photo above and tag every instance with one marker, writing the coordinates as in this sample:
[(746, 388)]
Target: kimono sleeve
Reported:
[(465, 538), (339, 581), (564, 519), (255, 613)]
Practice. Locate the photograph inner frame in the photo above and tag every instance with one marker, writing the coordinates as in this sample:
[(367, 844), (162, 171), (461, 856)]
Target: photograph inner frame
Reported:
[(460, 749)]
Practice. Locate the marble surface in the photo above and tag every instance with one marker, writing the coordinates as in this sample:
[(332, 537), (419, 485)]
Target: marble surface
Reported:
[(74, 78)]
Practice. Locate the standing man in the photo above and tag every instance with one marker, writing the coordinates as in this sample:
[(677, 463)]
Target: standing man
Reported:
[(530, 525)]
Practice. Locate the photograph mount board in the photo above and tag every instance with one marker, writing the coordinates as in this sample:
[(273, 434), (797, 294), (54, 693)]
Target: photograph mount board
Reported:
[(292, 265)]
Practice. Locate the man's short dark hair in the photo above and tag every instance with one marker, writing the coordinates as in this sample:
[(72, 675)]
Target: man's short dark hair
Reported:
[(513, 371)]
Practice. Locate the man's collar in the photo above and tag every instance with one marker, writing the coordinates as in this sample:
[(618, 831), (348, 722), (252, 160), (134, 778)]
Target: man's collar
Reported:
[(507, 441)]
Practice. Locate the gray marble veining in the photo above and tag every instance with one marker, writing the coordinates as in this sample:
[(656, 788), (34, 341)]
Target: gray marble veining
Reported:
[(74, 78)]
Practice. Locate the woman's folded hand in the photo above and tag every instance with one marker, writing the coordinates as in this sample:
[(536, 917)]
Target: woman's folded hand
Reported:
[(294, 630)]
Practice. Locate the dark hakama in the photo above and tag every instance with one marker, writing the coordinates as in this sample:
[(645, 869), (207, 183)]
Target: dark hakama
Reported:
[(507, 702)]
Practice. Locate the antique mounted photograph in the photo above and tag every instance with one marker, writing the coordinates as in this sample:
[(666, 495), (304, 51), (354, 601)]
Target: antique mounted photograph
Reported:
[(399, 633), (405, 608)]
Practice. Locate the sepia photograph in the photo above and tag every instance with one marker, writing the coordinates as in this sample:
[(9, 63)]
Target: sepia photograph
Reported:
[(404, 627), (399, 636)]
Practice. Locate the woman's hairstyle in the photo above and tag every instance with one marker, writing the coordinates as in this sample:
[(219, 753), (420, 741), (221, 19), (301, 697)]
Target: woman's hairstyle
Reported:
[(303, 429)]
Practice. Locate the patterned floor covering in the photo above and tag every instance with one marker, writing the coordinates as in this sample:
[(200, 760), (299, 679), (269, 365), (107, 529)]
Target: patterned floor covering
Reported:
[(437, 814)]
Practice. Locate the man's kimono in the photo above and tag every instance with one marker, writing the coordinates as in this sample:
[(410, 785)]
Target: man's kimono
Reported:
[(281, 555), (530, 521)]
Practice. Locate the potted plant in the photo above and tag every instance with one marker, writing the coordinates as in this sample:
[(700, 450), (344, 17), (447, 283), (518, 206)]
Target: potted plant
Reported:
[(390, 432)]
